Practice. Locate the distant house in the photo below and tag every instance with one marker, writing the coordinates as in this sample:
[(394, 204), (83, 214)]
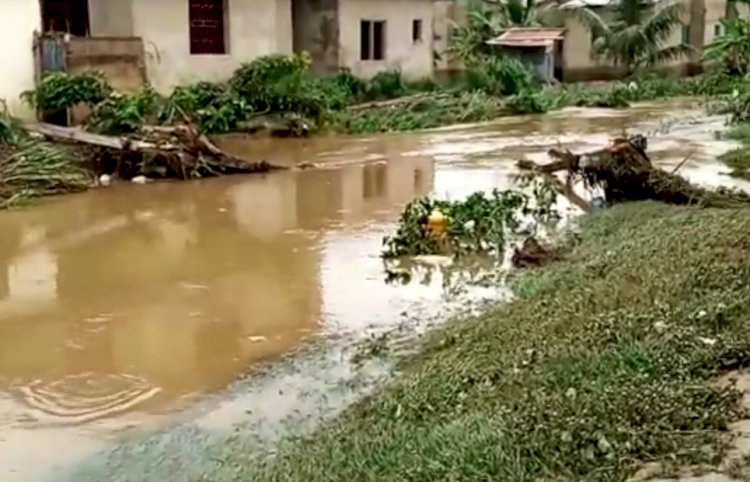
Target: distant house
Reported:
[(166, 42), (537, 48), (366, 36)]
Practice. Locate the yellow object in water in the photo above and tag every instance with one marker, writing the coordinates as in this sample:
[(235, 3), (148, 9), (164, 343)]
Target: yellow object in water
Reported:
[(436, 223)]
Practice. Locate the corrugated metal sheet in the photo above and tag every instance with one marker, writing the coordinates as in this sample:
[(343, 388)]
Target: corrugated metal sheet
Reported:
[(530, 37)]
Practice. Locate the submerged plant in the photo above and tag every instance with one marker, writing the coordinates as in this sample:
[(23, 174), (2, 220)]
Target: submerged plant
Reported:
[(482, 223)]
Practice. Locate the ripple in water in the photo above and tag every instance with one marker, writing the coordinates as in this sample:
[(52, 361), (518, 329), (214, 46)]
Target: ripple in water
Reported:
[(87, 396)]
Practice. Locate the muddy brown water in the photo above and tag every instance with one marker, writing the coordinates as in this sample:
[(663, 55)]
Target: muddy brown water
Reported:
[(124, 308)]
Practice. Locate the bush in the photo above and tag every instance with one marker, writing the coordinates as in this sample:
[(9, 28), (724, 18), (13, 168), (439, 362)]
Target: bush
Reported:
[(499, 76), (215, 107), (59, 90), (279, 83), (121, 113), (527, 102), (387, 85)]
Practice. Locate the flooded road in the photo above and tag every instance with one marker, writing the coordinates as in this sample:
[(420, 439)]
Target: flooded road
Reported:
[(231, 304)]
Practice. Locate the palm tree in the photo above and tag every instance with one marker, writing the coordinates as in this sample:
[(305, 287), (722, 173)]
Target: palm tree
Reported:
[(733, 47), (486, 19), (637, 37)]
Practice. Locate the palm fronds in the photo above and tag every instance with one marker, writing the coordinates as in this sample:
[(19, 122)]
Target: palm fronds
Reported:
[(33, 169), (637, 37)]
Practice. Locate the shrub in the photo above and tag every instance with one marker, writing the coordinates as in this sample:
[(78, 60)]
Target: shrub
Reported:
[(499, 76), (387, 85), (60, 90), (527, 102), (121, 113)]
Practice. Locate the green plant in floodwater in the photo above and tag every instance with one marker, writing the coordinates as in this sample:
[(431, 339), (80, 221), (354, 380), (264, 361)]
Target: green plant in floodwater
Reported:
[(33, 169), (481, 223), (59, 90), (431, 110)]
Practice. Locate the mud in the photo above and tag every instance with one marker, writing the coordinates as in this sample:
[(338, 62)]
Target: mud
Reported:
[(137, 323)]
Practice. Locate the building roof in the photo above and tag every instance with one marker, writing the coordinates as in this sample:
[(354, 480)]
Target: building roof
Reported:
[(528, 37), (597, 3)]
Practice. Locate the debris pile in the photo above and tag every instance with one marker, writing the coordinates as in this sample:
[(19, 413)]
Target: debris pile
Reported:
[(624, 172), (154, 151)]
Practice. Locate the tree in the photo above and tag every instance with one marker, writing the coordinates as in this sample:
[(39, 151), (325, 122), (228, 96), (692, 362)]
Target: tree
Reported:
[(637, 37), (733, 47), (486, 19)]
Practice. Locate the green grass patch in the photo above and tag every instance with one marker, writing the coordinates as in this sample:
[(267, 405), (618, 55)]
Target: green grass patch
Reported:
[(603, 362), (738, 159)]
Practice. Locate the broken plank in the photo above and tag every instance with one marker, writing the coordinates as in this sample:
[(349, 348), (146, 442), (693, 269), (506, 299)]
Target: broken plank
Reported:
[(76, 134)]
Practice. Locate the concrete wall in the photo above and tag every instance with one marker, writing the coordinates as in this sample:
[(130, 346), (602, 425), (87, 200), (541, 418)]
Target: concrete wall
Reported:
[(715, 11), (254, 28), (578, 62), (18, 22), (316, 31), (446, 14), (111, 18), (119, 59), (415, 60)]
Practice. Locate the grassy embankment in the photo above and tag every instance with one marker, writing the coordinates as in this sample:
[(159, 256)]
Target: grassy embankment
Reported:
[(604, 361)]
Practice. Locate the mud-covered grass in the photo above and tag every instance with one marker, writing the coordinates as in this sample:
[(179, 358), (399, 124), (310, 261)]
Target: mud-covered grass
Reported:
[(603, 362)]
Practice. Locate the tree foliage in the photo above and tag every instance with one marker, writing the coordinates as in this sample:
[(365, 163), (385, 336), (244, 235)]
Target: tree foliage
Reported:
[(637, 38), (733, 48), (486, 19)]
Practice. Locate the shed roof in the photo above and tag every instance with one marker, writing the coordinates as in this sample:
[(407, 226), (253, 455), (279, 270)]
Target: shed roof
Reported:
[(528, 37), (598, 3)]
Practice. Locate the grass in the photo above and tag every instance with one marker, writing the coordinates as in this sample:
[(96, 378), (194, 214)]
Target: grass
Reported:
[(602, 363), (738, 159)]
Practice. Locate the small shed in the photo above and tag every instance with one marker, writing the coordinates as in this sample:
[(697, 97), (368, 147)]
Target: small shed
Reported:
[(537, 48)]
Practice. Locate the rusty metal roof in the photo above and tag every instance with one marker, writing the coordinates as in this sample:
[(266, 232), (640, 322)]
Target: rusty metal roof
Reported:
[(528, 37)]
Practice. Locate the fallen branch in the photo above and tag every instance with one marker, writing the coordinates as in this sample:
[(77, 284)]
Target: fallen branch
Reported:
[(160, 151), (625, 173)]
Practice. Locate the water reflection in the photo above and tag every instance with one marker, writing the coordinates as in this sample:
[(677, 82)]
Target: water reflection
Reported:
[(119, 299)]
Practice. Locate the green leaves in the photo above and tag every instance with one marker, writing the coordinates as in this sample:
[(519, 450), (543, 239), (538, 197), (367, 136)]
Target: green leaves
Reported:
[(59, 90), (637, 37), (733, 48), (479, 224)]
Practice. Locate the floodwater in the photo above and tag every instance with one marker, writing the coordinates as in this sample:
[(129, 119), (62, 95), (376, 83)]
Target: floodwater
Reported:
[(133, 308)]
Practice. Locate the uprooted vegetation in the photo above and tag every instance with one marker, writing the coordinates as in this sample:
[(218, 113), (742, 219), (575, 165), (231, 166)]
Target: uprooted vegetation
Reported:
[(30, 168), (483, 224)]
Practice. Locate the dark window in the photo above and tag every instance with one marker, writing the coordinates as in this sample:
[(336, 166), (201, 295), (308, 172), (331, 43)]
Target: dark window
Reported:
[(416, 31), (717, 30), (372, 40), (71, 16), (365, 39), (207, 34), (686, 34)]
